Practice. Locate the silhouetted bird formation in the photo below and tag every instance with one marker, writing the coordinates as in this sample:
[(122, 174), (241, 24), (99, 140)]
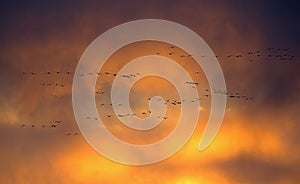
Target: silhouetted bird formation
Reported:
[(282, 55), (269, 54), (52, 125)]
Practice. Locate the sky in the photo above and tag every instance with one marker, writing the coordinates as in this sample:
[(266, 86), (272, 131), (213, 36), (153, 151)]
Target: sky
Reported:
[(258, 141)]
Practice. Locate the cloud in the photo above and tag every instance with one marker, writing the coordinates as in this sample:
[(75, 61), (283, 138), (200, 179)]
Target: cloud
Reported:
[(258, 141), (247, 168)]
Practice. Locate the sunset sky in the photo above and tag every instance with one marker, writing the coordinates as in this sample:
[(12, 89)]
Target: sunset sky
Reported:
[(256, 42)]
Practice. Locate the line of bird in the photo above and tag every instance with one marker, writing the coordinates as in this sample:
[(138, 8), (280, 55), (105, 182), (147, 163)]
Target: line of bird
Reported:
[(46, 73), (192, 84), (106, 73), (175, 102), (127, 115), (52, 125), (52, 85), (271, 53), (229, 94)]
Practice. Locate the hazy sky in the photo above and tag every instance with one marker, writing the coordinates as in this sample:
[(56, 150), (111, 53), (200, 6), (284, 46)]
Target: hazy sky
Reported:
[(257, 143)]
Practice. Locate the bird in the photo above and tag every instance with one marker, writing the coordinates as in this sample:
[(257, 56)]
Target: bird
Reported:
[(100, 93), (126, 76), (188, 82)]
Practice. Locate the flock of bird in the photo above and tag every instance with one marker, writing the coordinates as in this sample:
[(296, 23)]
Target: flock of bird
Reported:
[(175, 102), (52, 84), (145, 113), (269, 54), (53, 125)]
